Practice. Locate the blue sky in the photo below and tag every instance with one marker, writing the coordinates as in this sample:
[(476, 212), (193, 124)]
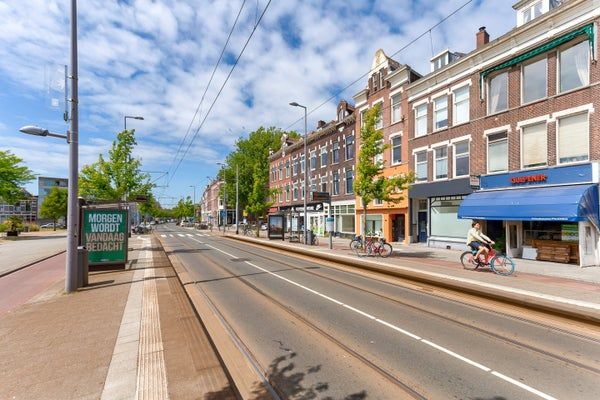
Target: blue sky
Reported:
[(153, 58)]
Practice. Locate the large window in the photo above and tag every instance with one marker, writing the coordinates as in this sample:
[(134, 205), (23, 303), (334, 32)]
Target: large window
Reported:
[(461, 159), (444, 217), (460, 113), (498, 93), (349, 181), (535, 81), (349, 147), (287, 169), (302, 170), (573, 138), (287, 192), (534, 145), (295, 167), (396, 109), (421, 163), (379, 120), (574, 66), (396, 149), (336, 152), (440, 112), (295, 192), (441, 163), (323, 184), (313, 160), (323, 157), (336, 183), (421, 120), (498, 152)]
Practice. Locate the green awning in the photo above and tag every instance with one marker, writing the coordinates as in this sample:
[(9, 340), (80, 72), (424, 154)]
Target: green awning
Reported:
[(587, 30)]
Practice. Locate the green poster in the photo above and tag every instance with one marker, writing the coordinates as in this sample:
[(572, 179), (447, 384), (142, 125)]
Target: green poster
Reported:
[(105, 236), (569, 233)]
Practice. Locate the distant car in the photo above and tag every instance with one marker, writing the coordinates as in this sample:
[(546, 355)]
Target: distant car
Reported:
[(48, 225)]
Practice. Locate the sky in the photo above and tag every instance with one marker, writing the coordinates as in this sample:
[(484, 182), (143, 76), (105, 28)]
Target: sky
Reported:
[(154, 59)]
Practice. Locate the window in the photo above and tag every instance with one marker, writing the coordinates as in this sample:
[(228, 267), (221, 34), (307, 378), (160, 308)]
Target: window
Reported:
[(379, 157), (531, 12), (349, 147), (302, 183), (273, 174), (313, 160), (349, 181), (336, 183), (460, 113), (302, 170), (280, 171), (574, 66), (336, 152), (498, 93), (573, 138), (323, 184), (441, 163), (461, 159), (341, 114), (287, 169), (287, 192), (534, 81), (379, 120), (295, 167), (362, 118), (377, 202), (421, 162), (498, 152), (396, 149), (534, 145), (396, 109), (323, 157), (421, 120), (313, 184), (440, 112), (295, 192)]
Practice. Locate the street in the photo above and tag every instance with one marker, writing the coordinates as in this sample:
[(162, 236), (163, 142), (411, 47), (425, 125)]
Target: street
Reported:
[(319, 331)]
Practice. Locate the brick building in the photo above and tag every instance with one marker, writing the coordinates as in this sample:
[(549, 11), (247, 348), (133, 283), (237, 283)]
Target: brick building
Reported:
[(387, 85), (331, 156), (211, 203)]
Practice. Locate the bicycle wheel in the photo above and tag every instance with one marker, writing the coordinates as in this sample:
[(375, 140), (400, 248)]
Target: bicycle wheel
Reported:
[(315, 241), (468, 261), (385, 250), (502, 265), (354, 243)]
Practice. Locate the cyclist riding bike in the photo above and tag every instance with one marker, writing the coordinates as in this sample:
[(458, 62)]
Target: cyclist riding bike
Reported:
[(477, 241)]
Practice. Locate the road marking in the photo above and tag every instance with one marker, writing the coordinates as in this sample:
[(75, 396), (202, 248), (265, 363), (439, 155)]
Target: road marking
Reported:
[(170, 235), (163, 235), (180, 235), (405, 332), (198, 234), (190, 235)]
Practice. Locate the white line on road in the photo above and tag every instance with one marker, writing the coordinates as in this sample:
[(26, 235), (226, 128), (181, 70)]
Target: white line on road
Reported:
[(170, 235), (405, 332), (199, 234), (180, 235), (163, 235), (189, 234)]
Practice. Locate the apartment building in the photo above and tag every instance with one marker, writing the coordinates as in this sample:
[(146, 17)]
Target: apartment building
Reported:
[(330, 150), (26, 209), (212, 203), (45, 184), (386, 86)]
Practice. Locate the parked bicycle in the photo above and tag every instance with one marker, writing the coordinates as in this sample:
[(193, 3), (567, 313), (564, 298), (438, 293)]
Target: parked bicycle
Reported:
[(500, 263), (249, 231), (373, 245)]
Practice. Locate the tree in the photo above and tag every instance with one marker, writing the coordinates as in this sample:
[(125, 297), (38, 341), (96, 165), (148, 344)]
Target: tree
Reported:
[(12, 177), (370, 184), (184, 208), (55, 204), (117, 178)]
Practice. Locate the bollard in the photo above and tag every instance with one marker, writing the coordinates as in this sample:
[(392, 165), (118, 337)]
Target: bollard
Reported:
[(82, 266)]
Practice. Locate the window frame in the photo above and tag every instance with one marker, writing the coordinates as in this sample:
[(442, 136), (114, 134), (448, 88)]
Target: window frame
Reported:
[(487, 139), (559, 69), (335, 186), (323, 153), (313, 157), (392, 138), (557, 130), (435, 111), (424, 106), (335, 149), (521, 132), (351, 180), (417, 163), (455, 103), (347, 147), (379, 124), (396, 105), (544, 57), (435, 160), (454, 157), (488, 86)]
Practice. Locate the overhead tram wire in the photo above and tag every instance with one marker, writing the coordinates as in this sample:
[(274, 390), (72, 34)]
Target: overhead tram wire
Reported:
[(189, 128), (221, 89), (413, 41)]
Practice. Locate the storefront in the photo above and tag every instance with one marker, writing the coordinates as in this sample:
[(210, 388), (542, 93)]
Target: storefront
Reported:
[(548, 214)]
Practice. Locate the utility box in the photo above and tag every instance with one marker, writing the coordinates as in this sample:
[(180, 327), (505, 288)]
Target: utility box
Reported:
[(83, 266)]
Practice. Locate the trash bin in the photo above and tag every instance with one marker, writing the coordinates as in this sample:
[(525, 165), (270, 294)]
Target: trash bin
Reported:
[(82, 266), (309, 237)]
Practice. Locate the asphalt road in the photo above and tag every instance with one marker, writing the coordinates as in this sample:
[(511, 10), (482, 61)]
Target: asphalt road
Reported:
[(321, 332)]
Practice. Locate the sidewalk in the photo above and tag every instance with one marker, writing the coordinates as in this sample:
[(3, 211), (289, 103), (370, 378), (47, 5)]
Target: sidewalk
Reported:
[(130, 334)]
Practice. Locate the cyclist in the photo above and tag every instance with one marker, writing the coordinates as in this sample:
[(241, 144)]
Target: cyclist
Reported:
[(476, 240)]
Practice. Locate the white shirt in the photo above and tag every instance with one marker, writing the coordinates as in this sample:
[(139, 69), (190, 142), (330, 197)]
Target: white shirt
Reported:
[(476, 236)]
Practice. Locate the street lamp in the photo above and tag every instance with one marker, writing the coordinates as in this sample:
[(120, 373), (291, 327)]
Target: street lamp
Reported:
[(71, 281), (130, 117), (294, 104)]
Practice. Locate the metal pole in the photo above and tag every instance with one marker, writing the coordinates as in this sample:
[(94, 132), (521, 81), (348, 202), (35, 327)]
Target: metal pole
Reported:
[(330, 232), (125, 123), (72, 214), (305, 178), (237, 199), (224, 202)]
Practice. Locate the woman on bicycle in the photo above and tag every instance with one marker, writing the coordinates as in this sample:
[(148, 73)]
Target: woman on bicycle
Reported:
[(476, 240)]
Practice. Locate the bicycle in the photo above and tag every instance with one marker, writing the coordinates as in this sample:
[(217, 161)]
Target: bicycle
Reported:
[(373, 245), (248, 231), (500, 263)]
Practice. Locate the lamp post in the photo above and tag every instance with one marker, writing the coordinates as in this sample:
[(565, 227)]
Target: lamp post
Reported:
[(130, 117), (224, 197), (73, 140), (237, 199), (294, 104)]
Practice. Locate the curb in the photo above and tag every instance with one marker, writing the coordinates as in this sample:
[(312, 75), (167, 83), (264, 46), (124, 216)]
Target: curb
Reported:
[(488, 291), (3, 274)]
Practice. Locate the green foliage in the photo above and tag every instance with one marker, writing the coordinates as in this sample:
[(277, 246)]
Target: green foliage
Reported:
[(12, 177), (32, 227), (55, 204), (13, 223), (118, 177), (184, 208), (370, 184)]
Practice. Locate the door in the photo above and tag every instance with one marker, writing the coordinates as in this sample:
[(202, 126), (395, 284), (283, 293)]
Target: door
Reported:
[(422, 226), (587, 244), (514, 238), (398, 230)]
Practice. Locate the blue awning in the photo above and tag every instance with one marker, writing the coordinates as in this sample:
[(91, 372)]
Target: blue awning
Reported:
[(559, 203)]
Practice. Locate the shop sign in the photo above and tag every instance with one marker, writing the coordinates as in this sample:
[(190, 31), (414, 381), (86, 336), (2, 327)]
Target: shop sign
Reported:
[(105, 236), (474, 182), (518, 180), (569, 233)]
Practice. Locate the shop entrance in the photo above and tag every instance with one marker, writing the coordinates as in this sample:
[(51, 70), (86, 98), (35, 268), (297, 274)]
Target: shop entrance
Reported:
[(514, 238), (422, 226), (398, 228)]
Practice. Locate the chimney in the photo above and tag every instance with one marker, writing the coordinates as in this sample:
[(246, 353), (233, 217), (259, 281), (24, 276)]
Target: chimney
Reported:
[(321, 124), (482, 37)]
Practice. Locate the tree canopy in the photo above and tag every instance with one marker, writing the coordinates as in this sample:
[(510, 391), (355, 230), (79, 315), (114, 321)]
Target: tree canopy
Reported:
[(13, 176), (118, 177), (184, 208), (55, 204)]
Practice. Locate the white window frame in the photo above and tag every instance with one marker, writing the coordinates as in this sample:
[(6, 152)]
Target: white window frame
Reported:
[(435, 111), (379, 125), (323, 151), (557, 130), (346, 147), (529, 62), (487, 147), (435, 159), (426, 162), (558, 65), (488, 97), (323, 180), (424, 116), (521, 131), (392, 137), (313, 153), (396, 106), (454, 154), (333, 149), (335, 192), (454, 104), (346, 181)]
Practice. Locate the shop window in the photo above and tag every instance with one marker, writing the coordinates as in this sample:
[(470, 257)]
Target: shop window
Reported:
[(460, 112), (440, 112), (421, 120), (534, 81), (497, 152), (498, 93), (461, 159), (373, 224), (396, 109), (441, 163), (421, 163), (396, 149), (349, 181), (349, 147), (574, 66), (534, 146), (573, 138), (444, 218)]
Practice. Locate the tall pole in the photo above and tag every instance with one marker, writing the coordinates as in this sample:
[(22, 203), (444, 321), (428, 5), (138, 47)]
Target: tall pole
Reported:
[(124, 123), (305, 177), (237, 199), (72, 211)]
